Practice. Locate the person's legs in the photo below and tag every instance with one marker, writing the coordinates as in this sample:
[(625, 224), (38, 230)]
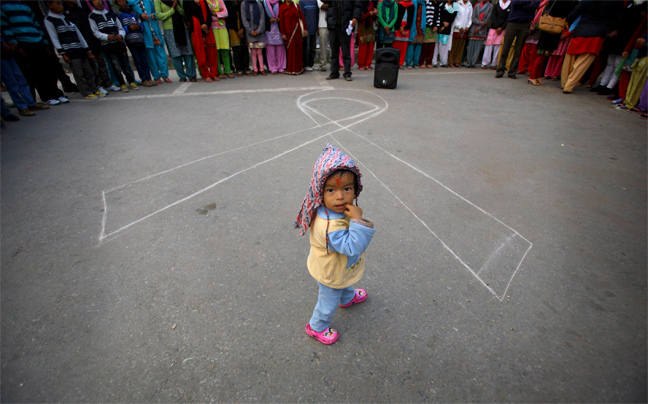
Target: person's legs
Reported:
[(76, 66), (538, 67), (324, 47), (179, 67), (509, 36), (126, 67), (581, 64), (190, 66), (141, 63), (347, 47), (328, 301), (16, 84), (522, 35), (114, 58), (161, 60), (153, 63), (637, 81), (225, 58), (334, 38)]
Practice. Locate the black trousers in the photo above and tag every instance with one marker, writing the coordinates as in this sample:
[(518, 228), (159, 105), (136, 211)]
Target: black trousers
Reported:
[(338, 38), (39, 70), (519, 32)]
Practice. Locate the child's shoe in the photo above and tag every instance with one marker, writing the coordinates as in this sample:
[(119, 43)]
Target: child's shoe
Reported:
[(63, 100), (133, 86), (114, 88), (92, 97), (53, 101), (102, 91), (326, 337), (124, 88), (360, 296), (100, 94)]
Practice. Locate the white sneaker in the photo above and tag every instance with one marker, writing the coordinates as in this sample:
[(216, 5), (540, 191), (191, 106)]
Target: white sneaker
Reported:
[(114, 88), (53, 102), (308, 69), (102, 91), (63, 100)]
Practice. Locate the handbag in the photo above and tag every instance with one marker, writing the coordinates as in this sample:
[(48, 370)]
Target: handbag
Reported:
[(551, 25)]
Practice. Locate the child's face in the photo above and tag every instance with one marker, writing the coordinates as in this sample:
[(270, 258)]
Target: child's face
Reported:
[(339, 191), (98, 4), (56, 6), (122, 3)]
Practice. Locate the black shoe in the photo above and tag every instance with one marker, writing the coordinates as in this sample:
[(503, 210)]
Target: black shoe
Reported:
[(332, 77), (348, 78), (11, 118), (512, 76), (596, 89), (604, 91), (499, 74)]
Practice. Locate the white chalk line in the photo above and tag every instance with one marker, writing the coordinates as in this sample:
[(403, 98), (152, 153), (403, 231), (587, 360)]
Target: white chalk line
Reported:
[(501, 298), (217, 92), (181, 89), (103, 236)]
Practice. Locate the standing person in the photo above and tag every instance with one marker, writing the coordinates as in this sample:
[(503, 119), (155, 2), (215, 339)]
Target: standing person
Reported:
[(311, 16), (387, 18), (157, 57), (462, 23), (548, 43), (518, 26), (497, 23), (70, 44), (199, 18), (275, 48), (135, 41), (587, 40), (341, 17), (402, 35), (478, 31), (447, 14), (339, 238), (322, 31), (253, 18), (219, 29), (367, 36), (430, 38), (293, 28), (638, 77), (176, 36), (240, 53), (417, 33), (620, 32), (15, 82), (21, 30), (79, 17), (107, 28)]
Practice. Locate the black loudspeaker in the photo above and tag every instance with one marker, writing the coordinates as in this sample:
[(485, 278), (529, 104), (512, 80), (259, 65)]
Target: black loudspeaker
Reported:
[(386, 71)]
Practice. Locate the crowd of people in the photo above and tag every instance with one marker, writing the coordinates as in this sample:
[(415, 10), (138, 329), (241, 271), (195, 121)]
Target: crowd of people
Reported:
[(599, 44)]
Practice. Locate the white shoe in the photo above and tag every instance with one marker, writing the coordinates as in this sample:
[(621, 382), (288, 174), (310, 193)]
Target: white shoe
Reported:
[(63, 100), (53, 102), (102, 91), (114, 88), (308, 69)]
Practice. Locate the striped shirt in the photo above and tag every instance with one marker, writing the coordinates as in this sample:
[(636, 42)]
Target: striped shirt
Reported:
[(65, 36), (19, 24), (128, 18)]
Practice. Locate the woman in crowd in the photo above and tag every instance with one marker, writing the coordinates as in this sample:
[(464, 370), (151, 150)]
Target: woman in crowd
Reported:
[(293, 27), (501, 10), (275, 48)]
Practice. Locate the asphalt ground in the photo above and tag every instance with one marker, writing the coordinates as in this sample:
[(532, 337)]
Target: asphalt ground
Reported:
[(148, 250)]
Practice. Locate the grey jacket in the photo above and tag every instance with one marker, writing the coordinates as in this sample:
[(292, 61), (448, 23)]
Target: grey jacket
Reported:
[(248, 24)]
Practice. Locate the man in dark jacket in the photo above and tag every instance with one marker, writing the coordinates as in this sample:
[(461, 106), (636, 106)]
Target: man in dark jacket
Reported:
[(339, 14), (517, 27)]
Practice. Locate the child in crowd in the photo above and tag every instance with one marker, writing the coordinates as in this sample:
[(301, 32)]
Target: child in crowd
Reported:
[(107, 28), (253, 18), (275, 48), (70, 44), (157, 57), (131, 23), (339, 237)]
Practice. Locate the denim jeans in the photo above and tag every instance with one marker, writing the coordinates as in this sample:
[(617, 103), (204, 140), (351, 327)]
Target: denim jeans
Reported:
[(16, 83), (328, 300)]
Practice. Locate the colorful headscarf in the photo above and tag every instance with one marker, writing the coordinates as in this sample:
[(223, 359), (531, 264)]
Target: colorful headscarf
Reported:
[(327, 163)]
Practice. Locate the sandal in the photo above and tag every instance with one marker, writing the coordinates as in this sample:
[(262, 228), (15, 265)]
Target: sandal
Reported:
[(360, 296), (263, 73), (327, 337), (533, 82), (168, 80), (209, 79), (643, 116), (635, 109), (230, 75)]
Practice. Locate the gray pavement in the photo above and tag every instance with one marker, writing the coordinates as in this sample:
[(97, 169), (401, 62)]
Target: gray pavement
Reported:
[(148, 253)]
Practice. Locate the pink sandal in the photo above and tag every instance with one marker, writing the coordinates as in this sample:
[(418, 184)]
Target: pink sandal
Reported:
[(360, 296), (327, 337)]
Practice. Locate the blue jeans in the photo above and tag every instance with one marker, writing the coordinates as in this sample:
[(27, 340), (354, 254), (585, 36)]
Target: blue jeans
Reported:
[(16, 84), (328, 300)]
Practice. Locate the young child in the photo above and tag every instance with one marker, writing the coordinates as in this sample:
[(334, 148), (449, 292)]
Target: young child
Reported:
[(70, 44), (107, 28), (339, 237), (132, 25)]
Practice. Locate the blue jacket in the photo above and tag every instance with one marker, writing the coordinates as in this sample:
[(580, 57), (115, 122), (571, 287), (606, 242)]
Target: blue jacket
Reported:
[(311, 14), (149, 25), (523, 11)]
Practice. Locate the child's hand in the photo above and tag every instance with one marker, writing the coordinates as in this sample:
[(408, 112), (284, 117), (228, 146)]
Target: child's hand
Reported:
[(353, 211), (144, 16), (134, 27), (120, 38)]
